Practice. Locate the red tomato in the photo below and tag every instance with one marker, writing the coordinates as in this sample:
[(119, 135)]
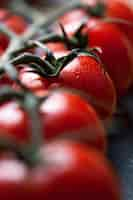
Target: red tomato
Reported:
[(67, 171), (118, 9), (86, 74), (13, 121), (116, 52), (66, 114), (55, 112)]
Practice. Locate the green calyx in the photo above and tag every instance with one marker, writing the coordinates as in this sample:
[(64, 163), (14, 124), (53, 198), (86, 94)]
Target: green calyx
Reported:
[(78, 40), (50, 66)]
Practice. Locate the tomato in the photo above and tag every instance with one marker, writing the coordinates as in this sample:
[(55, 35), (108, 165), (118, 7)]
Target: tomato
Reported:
[(61, 106), (86, 74), (67, 171), (118, 9), (116, 52), (66, 114), (13, 121)]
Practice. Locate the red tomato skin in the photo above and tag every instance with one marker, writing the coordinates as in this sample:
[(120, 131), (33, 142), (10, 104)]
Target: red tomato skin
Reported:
[(116, 52), (84, 124), (86, 74), (119, 9), (12, 176), (14, 122), (68, 115), (69, 171)]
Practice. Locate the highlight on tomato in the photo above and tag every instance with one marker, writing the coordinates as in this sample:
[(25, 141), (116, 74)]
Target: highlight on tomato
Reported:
[(62, 114), (60, 170)]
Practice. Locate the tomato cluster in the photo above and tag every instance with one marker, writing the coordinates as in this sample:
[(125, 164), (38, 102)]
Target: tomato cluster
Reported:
[(76, 77)]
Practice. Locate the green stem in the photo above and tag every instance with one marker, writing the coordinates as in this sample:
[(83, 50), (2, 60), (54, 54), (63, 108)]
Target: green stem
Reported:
[(52, 37)]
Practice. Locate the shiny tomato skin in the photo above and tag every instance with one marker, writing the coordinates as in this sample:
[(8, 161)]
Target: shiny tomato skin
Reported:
[(120, 9), (69, 171), (116, 52), (67, 115), (14, 122), (83, 125), (86, 74)]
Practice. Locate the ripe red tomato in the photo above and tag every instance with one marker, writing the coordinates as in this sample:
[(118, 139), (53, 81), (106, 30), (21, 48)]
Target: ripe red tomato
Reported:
[(63, 114), (116, 52), (118, 9), (13, 121), (66, 114), (86, 74), (67, 171)]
